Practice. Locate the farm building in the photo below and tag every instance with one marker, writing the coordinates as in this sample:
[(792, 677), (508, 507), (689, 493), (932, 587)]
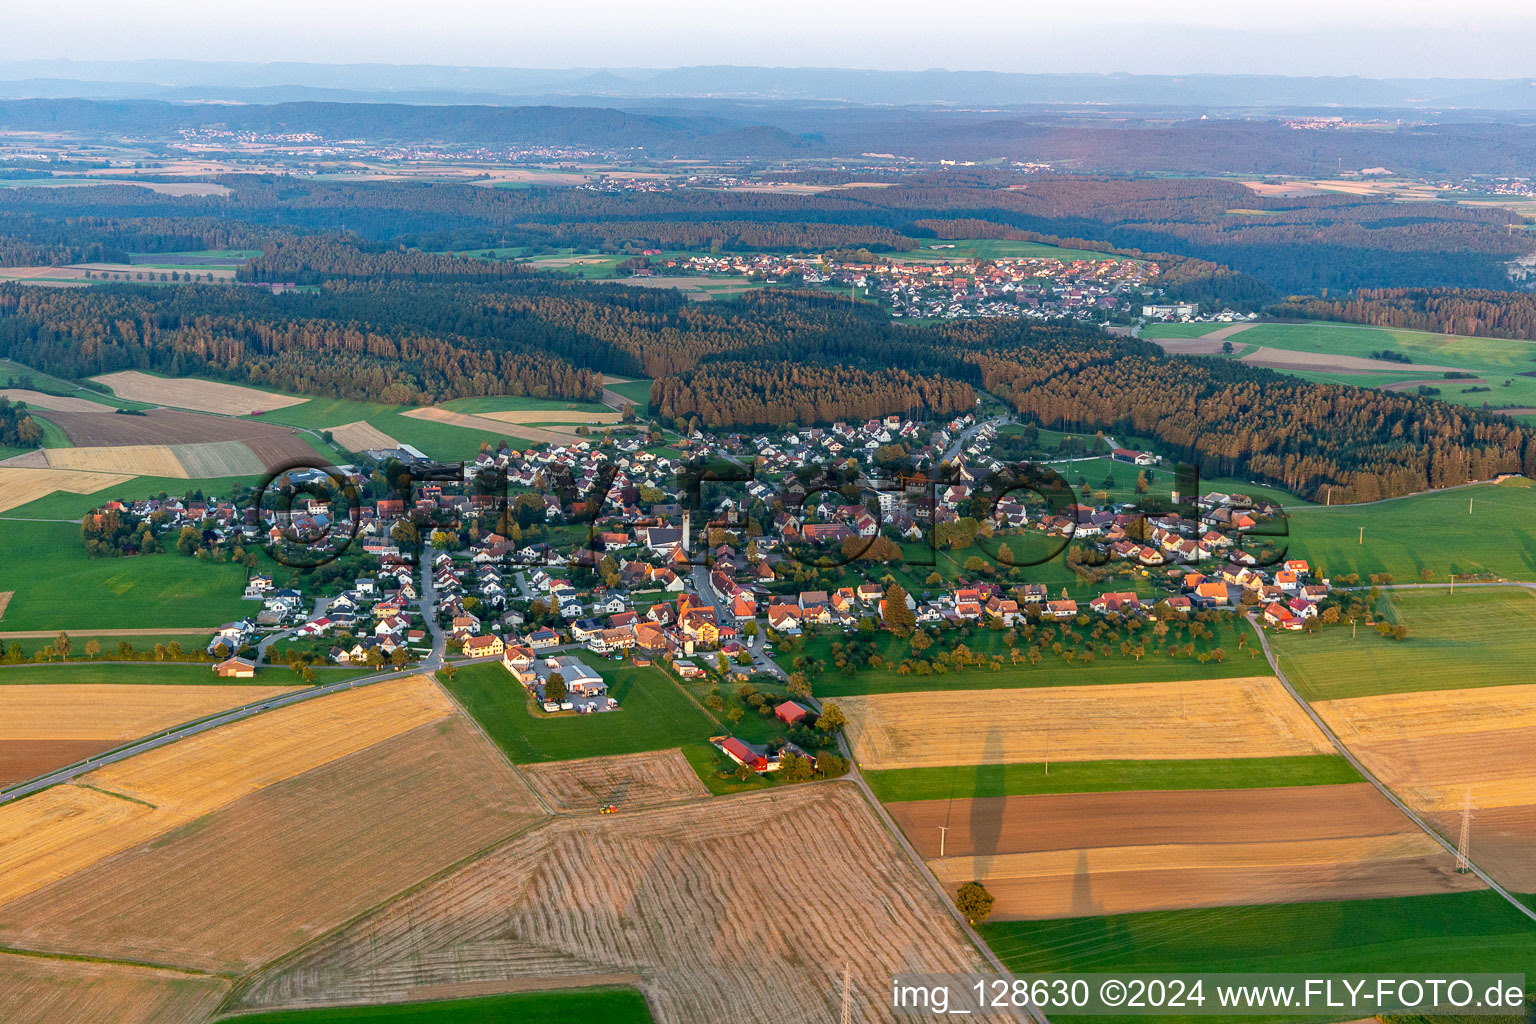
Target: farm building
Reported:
[(789, 712), (235, 668)]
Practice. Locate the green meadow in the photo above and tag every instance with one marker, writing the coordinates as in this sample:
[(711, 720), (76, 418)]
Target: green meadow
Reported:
[(58, 586), (1474, 638), (1505, 367), (1486, 529), (607, 1005), (994, 780), (1473, 931), (654, 714)]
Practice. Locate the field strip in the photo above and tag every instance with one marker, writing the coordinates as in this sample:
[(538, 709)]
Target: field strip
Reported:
[(48, 990), (20, 486), (1216, 718), (198, 395), (134, 459), (5, 599), (217, 459), (361, 436), (574, 417), (1188, 857), (1424, 713), (54, 833), (1326, 362), (488, 427), (623, 780), (58, 403), (114, 711)]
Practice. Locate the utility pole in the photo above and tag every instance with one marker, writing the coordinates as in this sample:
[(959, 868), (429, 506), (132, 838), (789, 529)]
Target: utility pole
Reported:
[(943, 832), (1362, 535), (1453, 584), (1466, 834), (1469, 505)]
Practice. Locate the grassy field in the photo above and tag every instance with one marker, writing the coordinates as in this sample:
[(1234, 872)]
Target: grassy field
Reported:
[(438, 440), (1474, 931), (609, 1005), (994, 780), (1471, 639), (1501, 362), (638, 392), (1052, 671), (1433, 532), (59, 587), (654, 714)]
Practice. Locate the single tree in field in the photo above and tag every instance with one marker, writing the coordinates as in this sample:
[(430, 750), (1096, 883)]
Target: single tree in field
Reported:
[(975, 902), (63, 644), (92, 648), (832, 718), (449, 671)]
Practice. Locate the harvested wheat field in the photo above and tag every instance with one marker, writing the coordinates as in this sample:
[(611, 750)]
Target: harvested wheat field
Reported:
[(217, 458), (39, 991), (572, 416), (624, 780), (1083, 883), (5, 600), (43, 400), (1435, 747), (482, 424), (110, 711), (199, 395), (133, 459), (1101, 853), (642, 894), (53, 834), (1247, 717), (361, 436), (277, 868), (19, 486)]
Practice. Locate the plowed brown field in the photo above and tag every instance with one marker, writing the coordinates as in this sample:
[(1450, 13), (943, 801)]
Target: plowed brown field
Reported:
[(1248, 717), (662, 895), (1069, 821), (271, 871), (626, 780), (27, 759)]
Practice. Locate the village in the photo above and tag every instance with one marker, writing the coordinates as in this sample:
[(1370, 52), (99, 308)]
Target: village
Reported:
[(560, 558), (1029, 287)]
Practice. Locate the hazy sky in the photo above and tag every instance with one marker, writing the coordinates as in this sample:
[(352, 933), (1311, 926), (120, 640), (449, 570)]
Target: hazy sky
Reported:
[(1409, 38)]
